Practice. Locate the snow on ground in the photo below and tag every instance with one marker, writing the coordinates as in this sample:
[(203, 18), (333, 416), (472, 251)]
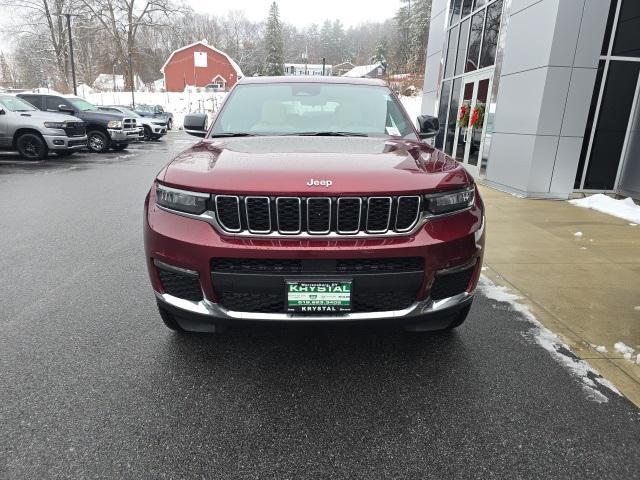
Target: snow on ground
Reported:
[(623, 208), (178, 103), (413, 105), (548, 340)]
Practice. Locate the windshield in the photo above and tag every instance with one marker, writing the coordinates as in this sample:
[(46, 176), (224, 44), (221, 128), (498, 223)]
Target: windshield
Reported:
[(143, 108), (15, 104), (82, 104), (312, 108)]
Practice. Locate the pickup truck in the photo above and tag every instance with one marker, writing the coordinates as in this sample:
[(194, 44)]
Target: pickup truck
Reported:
[(104, 130), (34, 133), (155, 111)]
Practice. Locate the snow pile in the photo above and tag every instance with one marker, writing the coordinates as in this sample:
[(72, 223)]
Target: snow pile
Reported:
[(178, 103), (625, 350), (624, 208), (577, 234), (548, 340), (413, 106)]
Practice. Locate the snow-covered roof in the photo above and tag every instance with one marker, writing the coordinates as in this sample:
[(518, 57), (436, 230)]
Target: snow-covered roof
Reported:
[(204, 43), (311, 66), (362, 70)]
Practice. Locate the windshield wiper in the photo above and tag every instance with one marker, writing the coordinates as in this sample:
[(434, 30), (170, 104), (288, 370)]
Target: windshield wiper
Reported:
[(232, 134), (331, 134)]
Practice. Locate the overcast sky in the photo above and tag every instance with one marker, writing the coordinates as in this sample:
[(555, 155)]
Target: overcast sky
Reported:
[(305, 12)]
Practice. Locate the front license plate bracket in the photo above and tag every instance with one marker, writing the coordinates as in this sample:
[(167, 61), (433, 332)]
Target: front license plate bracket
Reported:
[(318, 296)]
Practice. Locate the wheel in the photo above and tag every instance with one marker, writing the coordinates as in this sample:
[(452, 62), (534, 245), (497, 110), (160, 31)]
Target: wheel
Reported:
[(147, 134), (32, 146), (169, 124), (64, 153), (97, 141), (169, 320), (119, 148)]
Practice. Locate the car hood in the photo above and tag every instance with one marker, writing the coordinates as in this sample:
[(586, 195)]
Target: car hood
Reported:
[(285, 165), (48, 116), (105, 116)]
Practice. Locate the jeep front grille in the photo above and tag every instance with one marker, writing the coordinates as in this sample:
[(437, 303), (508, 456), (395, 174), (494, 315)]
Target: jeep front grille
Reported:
[(262, 215)]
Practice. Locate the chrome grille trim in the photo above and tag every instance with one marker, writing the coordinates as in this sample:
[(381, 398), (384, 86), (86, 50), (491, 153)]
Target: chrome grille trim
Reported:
[(212, 217), (246, 211), (319, 232), (348, 232), (388, 214), (289, 232), (415, 220), (237, 199)]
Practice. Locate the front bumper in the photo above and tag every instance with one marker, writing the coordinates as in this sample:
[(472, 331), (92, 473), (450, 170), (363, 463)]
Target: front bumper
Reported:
[(445, 244), (124, 136), (62, 142)]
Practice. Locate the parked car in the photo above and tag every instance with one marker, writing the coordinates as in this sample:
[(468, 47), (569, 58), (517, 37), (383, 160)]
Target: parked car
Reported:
[(152, 128), (104, 130), (34, 133), (155, 111), (313, 199)]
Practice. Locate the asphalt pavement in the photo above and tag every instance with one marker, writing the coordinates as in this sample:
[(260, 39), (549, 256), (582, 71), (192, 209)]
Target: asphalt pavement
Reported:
[(92, 385)]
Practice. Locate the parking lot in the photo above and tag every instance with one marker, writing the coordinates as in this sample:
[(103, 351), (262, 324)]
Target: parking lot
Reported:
[(92, 385)]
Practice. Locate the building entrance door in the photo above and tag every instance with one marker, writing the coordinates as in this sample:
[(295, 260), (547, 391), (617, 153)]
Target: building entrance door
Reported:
[(471, 121)]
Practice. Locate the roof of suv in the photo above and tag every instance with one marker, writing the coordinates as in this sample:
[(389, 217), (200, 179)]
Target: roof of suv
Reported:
[(312, 79)]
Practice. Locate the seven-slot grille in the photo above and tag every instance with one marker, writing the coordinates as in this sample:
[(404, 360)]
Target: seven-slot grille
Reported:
[(317, 215)]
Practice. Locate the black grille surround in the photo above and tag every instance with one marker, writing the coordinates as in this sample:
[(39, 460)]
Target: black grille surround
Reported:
[(264, 215), (449, 284), (258, 285), (75, 129)]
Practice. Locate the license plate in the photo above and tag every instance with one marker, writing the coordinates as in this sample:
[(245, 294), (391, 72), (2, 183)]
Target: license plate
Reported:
[(318, 296)]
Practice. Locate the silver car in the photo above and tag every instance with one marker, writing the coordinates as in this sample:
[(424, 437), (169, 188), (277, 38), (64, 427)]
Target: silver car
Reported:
[(34, 133), (153, 128)]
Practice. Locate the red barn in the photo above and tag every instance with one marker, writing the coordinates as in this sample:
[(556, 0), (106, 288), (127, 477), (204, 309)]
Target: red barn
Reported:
[(199, 64)]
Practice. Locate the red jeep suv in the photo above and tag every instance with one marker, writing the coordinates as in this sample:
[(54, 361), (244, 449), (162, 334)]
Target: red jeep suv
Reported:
[(313, 200)]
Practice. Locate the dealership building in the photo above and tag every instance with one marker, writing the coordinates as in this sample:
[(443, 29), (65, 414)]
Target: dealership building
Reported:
[(538, 97)]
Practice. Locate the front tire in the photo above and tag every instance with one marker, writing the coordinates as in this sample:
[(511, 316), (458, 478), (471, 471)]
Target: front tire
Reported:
[(32, 147), (97, 141), (147, 134), (169, 124)]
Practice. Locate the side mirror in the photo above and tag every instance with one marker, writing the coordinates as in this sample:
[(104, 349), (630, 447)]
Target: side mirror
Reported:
[(428, 126), (196, 124), (65, 108)]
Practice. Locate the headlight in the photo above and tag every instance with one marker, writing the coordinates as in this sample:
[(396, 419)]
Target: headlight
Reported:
[(449, 202), (59, 125), (181, 200), (114, 124)]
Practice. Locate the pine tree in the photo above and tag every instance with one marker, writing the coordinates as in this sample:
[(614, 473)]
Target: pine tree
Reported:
[(274, 46), (381, 53), (420, 19)]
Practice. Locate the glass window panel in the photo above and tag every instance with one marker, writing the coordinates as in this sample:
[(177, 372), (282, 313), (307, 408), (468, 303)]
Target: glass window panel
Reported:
[(453, 116), (442, 113), (478, 114), (462, 46), (607, 30), (491, 31), (479, 3), (467, 99), (587, 130), (466, 7), (627, 41), (611, 128), (451, 52), (454, 11), (474, 42)]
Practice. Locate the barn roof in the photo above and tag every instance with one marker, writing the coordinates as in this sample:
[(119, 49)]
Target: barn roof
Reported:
[(204, 43)]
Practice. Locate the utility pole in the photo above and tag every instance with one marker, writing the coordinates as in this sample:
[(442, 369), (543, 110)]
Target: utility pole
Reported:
[(324, 62), (133, 98), (73, 65)]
